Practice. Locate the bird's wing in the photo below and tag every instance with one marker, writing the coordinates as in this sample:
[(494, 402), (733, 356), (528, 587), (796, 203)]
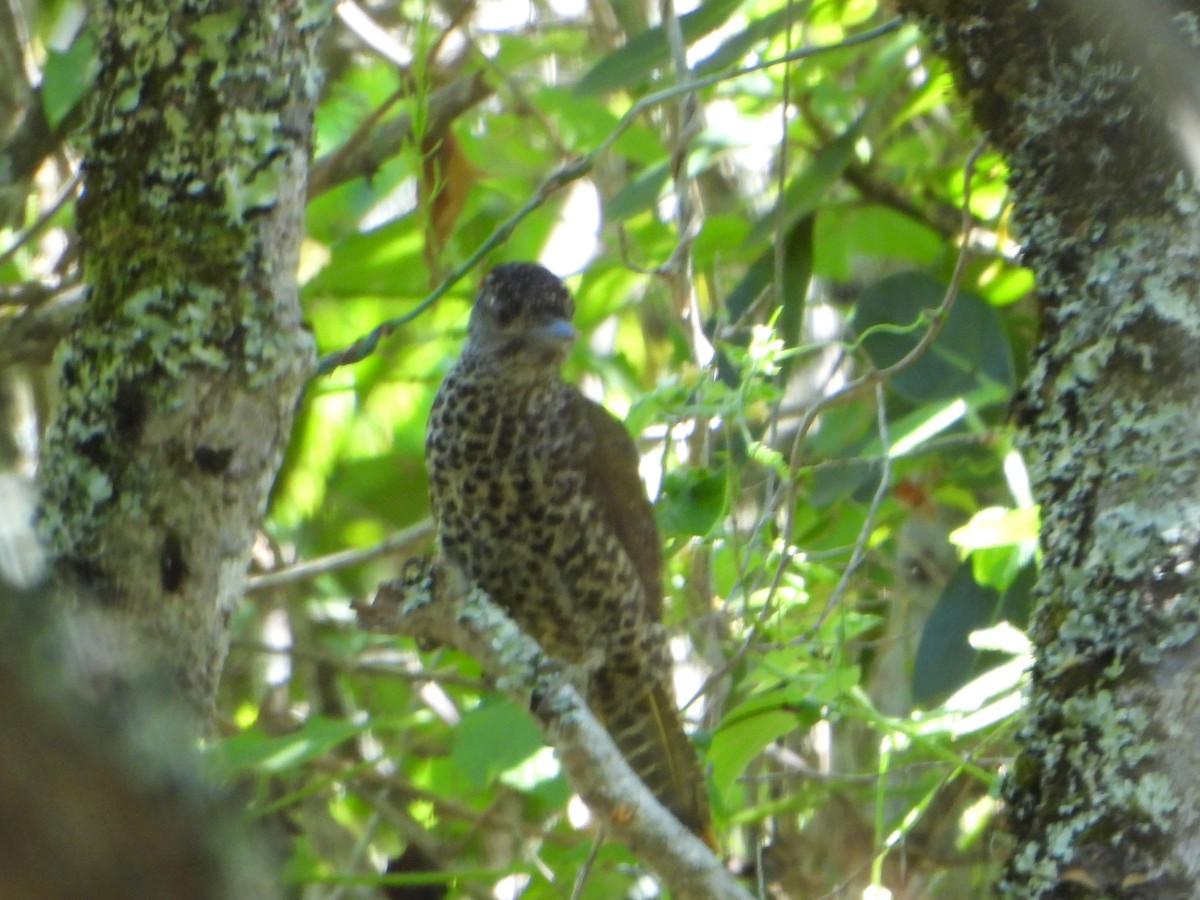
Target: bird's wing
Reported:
[(611, 468)]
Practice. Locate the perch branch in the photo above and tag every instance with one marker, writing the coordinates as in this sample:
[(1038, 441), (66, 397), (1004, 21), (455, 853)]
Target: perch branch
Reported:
[(434, 602)]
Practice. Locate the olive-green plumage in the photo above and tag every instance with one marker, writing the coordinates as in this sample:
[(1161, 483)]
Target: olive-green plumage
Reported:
[(536, 495)]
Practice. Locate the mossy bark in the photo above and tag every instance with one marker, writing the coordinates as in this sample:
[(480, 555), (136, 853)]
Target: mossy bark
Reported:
[(1090, 102), (179, 380)]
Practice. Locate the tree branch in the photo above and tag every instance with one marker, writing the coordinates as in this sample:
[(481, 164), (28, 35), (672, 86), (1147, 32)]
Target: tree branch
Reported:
[(381, 141), (406, 541), (434, 602)]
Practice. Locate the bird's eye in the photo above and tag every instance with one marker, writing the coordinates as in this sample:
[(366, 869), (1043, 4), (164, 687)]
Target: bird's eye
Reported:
[(505, 313)]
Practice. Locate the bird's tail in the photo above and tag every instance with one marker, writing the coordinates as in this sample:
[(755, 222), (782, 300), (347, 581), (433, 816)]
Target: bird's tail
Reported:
[(645, 725)]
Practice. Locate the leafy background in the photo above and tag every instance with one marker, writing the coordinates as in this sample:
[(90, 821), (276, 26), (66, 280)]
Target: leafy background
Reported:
[(850, 542)]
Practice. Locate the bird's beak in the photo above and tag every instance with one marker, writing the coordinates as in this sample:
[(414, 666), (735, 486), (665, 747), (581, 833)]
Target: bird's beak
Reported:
[(558, 334)]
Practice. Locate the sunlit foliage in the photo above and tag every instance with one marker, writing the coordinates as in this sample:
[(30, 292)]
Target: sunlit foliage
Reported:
[(759, 206)]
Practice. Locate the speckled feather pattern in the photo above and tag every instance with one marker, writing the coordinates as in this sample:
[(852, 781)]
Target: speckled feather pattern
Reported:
[(536, 494), (509, 496)]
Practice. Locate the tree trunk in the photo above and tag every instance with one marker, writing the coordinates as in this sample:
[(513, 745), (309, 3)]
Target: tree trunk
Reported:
[(179, 380), (1092, 104)]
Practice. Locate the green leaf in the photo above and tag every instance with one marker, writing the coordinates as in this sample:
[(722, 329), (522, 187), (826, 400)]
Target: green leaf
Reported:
[(919, 427), (639, 194), (841, 479), (797, 271), (969, 357), (533, 772), (644, 52), (1000, 541), (752, 725), (692, 501), (875, 230), (492, 738), (367, 263), (946, 659), (67, 76), (991, 697), (996, 567), (252, 749), (720, 238), (582, 122)]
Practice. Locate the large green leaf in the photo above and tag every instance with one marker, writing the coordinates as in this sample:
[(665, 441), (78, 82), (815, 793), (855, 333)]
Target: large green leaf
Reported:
[(638, 194), (797, 271), (847, 231), (797, 261)]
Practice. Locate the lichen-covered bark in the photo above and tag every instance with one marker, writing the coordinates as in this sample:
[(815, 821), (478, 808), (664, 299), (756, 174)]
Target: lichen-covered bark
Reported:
[(1103, 799), (179, 381)]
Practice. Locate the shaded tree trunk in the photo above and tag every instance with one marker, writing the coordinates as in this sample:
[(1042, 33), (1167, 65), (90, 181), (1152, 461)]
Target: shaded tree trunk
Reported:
[(179, 380), (1092, 105)]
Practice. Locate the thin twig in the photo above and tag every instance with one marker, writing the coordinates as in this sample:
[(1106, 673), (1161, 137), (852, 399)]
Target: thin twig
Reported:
[(42, 220), (864, 533), (586, 868), (361, 664), (403, 541)]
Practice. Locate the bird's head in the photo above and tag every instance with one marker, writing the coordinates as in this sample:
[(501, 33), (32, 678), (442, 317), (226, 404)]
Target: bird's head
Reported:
[(522, 318)]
